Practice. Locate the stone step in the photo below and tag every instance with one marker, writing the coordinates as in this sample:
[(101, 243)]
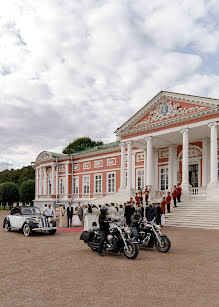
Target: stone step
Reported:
[(194, 226)]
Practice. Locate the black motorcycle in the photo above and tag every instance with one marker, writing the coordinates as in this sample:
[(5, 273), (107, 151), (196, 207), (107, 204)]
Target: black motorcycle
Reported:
[(150, 235), (118, 240)]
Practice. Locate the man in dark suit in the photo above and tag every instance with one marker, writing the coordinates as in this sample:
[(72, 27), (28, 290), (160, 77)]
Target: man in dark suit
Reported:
[(69, 215)]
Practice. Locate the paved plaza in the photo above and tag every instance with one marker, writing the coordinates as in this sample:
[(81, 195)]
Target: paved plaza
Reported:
[(61, 270)]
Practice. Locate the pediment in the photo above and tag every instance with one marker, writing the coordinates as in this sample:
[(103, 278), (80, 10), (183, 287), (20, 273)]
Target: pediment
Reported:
[(44, 156), (167, 108)]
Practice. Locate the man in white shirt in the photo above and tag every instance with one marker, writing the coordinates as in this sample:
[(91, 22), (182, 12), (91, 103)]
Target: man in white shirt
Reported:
[(49, 212)]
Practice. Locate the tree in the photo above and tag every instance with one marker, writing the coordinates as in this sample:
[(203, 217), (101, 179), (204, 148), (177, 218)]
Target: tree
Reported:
[(17, 175), (81, 144), (9, 193), (27, 191)]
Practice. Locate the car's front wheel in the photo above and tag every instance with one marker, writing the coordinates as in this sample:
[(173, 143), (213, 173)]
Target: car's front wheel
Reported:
[(7, 226), (27, 230)]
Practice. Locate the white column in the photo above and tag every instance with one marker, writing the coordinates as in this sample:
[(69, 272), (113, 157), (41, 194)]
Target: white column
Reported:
[(57, 179), (155, 185), (145, 167), (66, 178), (175, 161), (149, 160), (37, 180), (214, 153), (53, 179), (45, 182), (185, 158), (40, 181), (133, 169), (129, 165), (122, 173), (204, 162), (170, 168)]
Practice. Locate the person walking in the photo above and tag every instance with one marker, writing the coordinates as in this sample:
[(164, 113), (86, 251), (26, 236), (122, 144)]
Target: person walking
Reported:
[(179, 192), (174, 194), (63, 222), (168, 200), (70, 212)]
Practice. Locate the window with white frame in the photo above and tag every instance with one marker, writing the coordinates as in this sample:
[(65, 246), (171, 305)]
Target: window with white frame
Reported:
[(140, 179), (49, 186), (98, 183), (111, 182), (61, 185), (86, 184), (76, 185), (126, 178), (164, 178)]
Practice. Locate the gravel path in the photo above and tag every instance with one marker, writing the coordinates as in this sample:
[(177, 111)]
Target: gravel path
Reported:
[(61, 270)]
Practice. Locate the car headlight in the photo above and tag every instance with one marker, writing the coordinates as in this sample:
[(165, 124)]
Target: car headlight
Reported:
[(49, 219), (37, 220)]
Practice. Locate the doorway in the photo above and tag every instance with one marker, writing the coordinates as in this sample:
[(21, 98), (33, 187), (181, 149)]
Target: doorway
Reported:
[(193, 175)]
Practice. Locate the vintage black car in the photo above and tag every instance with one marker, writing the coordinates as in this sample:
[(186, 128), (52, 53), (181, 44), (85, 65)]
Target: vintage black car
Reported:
[(28, 219)]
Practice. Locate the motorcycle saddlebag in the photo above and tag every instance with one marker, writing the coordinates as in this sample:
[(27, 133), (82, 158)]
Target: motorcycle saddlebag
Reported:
[(86, 235)]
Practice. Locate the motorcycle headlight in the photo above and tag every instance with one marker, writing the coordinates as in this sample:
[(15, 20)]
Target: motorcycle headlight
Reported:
[(158, 227), (49, 219)]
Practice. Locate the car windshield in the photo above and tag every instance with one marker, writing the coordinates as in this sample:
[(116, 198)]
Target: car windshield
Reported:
[(31, 211)]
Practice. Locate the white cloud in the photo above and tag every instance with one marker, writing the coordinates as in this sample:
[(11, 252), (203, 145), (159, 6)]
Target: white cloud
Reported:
[(75, 68)]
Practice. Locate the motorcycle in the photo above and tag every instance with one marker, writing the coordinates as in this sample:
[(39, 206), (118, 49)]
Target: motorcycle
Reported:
[(118, 240), (150, 235)]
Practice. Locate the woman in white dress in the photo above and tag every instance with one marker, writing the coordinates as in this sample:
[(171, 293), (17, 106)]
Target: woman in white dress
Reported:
[(57, 215), (113, 212), (75, 219), (121, 212), (96, 213), (88, 218), (63, 218)]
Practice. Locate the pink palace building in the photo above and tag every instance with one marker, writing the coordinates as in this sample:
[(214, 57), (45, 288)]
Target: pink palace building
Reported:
[(173, 138)]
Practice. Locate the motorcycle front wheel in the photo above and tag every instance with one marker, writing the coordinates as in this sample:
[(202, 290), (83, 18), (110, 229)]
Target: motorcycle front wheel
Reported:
[(165, 245), (132, 251)]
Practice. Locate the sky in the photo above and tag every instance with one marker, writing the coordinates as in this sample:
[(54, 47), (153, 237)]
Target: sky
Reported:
[(82, 68)]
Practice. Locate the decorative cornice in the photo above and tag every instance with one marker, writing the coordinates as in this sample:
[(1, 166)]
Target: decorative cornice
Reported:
[(214, 124)]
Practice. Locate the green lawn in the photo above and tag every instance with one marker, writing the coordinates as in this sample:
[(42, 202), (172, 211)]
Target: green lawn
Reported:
[(6, 208)]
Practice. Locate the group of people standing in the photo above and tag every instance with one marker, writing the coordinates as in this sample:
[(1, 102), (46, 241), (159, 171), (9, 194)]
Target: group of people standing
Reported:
[(86, 215)]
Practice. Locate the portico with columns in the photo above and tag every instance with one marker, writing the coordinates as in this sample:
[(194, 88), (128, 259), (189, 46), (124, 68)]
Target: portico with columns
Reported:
[(177, 135)]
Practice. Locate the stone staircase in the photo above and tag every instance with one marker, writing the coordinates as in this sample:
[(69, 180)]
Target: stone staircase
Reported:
[(197, 213)]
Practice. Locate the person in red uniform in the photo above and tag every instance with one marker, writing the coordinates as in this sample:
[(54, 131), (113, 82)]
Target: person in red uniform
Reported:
[(168, 200), (179, 192), (174, 194), (163, 205), (136, 198), (146, 195), (140, 195)]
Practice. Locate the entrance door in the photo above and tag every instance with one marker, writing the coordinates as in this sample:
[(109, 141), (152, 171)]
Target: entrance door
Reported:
[(164, 178), (140, 179), (193, 175)]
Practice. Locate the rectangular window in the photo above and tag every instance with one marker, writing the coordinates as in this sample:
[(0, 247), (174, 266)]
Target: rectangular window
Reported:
[(164, 178), (75, 185), (98, 183), (126, 178), (50, 186), (111, 182), (61, 185), (86, 184)]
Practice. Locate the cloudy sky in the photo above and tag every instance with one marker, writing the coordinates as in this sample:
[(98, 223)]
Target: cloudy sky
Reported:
[(81, 68)]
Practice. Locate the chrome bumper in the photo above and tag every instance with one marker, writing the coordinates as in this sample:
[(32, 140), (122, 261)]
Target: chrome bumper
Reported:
[(44, 228)]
